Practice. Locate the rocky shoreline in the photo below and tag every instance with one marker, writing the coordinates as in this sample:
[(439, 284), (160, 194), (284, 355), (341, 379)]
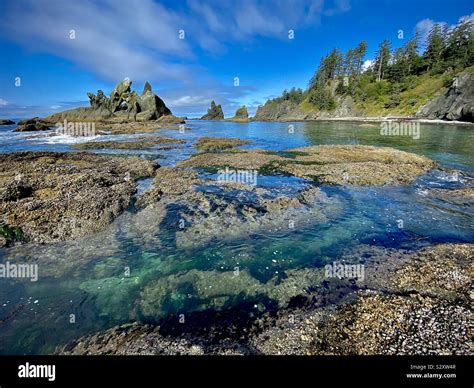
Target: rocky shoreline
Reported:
[(407, 302)]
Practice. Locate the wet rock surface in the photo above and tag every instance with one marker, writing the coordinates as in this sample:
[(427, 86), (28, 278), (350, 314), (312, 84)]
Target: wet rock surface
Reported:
[(140, 143), (208, 209), (59, 196), (316, 315), (209, 144), (333, 164), (30, 125)]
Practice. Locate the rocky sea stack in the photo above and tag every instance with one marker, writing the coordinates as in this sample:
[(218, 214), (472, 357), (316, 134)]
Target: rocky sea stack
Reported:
[(6, 122), (121, 103), (241, 115), (30, 125), (214, 112)]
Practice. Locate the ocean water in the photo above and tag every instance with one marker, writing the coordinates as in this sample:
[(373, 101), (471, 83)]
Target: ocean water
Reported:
[(86, 277)]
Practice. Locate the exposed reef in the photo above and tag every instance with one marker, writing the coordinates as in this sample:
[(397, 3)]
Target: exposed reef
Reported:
[(140, 143), (333, 164), (58, 196), (210, 144)]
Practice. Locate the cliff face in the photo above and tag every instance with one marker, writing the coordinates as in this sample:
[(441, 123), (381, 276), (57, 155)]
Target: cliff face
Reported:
[(456, 103), (288, 111), (285, 110)]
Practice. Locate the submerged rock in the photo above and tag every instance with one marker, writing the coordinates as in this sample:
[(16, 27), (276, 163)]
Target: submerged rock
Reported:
[(370, 318), (229, 210), (462, 196), (214, 112), (59, 196)]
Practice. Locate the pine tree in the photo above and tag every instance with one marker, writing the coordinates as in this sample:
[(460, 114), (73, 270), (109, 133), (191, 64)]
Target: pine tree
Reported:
[(359, 54), (459, 51), (435, 47), (414, 61), (382, 59)]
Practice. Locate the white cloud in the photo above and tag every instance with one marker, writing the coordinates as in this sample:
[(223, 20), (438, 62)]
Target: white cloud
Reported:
[(367, 64), (3, 102), (139, 39)]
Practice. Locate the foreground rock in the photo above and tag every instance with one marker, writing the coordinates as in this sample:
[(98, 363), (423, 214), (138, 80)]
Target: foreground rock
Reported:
[(140, 143), (58, 196), (333, 164), (210, 144), (214, 112), (455, 103), (6, 122), (402, 307)]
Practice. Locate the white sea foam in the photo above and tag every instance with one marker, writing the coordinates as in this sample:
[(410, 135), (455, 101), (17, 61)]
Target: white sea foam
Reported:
[(64, 139)]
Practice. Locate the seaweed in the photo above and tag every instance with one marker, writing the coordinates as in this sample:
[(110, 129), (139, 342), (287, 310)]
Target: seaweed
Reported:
[(11, 233)]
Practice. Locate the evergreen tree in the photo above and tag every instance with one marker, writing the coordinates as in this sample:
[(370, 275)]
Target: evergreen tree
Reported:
[(414, 61), (359, 54), (435, 47), (459, 51), (382, 59)]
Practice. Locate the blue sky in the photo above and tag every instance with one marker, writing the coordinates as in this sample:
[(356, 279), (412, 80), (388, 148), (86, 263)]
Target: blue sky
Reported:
[(223, 39)]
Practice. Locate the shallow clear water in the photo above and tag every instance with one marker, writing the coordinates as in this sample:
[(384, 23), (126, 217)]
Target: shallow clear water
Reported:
[(86, 277)]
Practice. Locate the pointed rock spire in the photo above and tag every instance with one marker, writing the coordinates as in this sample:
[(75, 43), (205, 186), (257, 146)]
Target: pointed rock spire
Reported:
[(146, 88)]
